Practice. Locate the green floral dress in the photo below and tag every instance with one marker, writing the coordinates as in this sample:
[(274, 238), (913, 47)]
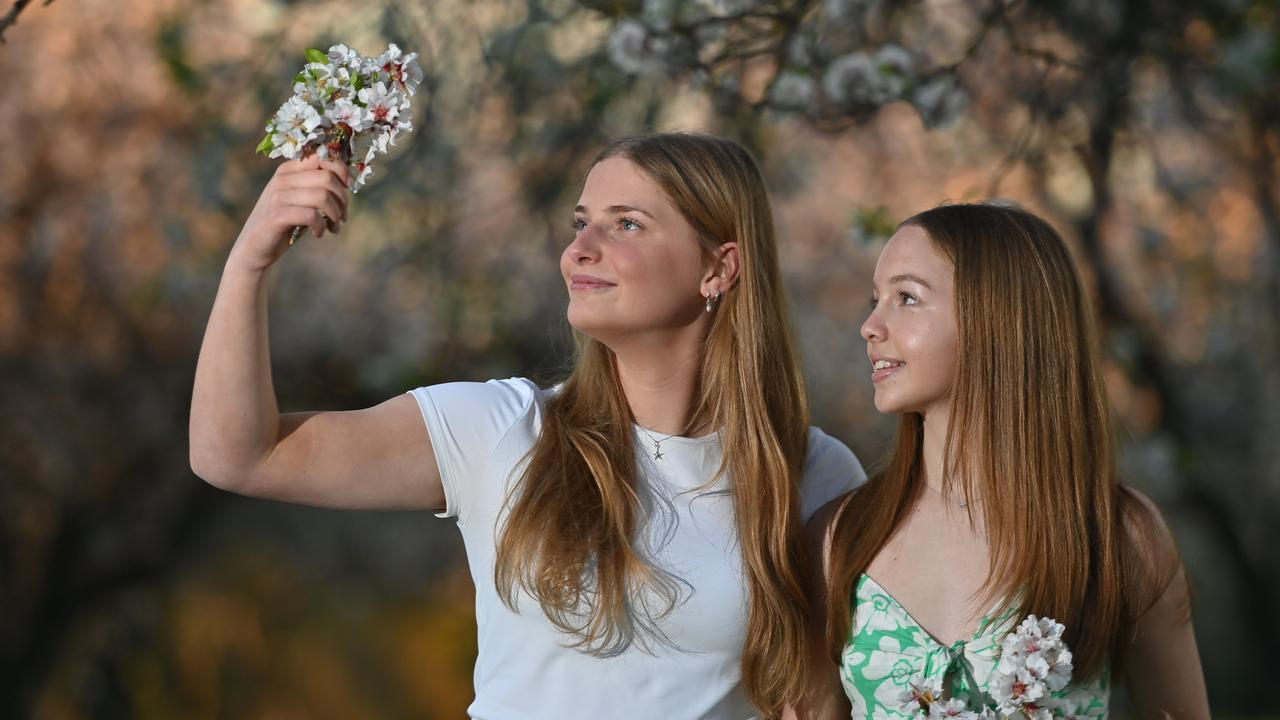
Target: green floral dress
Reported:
[(887, 650)]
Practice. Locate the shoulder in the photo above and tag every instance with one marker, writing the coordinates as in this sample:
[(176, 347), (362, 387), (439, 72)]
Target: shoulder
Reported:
[(830, 470), (820, 528), (828, 456), (511, 391), (1152, 562)]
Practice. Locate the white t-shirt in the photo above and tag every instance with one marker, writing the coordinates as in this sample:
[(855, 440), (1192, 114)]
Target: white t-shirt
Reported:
[(480, 433)]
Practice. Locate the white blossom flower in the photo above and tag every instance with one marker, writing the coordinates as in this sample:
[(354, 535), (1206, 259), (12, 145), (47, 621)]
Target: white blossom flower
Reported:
[(288, 144), (793, 90), (919, 695), (953, 708), (382, 103), (345, 112), (297, 116), (941, 102), (344, 56), (633, 50)]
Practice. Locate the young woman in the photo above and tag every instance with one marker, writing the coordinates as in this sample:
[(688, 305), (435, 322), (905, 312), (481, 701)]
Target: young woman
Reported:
[(999, 499), (634, 533)]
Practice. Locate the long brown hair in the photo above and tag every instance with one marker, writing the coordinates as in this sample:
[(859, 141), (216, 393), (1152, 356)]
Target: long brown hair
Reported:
[(1029, 432), (570, 538)]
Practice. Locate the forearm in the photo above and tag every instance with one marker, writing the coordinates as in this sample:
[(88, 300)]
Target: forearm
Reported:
[(234, 417)]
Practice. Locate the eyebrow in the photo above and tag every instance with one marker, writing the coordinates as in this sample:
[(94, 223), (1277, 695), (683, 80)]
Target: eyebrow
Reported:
[(617, 209), (908, 277)]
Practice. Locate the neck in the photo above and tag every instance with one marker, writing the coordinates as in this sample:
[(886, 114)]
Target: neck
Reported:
[(659, 376), (934, 451)]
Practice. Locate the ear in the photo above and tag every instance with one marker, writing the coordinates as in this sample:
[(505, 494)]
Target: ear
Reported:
[(722, 272)]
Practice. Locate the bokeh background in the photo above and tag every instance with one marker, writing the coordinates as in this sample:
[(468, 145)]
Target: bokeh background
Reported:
[(1147, 131)]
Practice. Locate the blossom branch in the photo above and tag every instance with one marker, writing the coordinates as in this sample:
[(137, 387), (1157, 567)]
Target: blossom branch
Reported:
[(11, 17)]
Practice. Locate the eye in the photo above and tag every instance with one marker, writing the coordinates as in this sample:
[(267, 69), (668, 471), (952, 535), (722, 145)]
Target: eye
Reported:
[(579, 224), (908, 298), (874, 301), (627, 223)]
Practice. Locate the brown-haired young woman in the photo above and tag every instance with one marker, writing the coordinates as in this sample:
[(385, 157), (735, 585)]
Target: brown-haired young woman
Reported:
[(634, 533), (999, 499)]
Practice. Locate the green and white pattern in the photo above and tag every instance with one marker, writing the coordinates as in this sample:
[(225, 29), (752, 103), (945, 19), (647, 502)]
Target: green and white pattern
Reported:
[(887, 649)]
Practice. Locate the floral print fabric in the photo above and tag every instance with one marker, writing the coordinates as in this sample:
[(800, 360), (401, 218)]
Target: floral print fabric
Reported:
[(887, 651)]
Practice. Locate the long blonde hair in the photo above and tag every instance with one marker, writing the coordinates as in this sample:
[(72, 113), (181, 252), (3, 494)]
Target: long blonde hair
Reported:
[(1030, 425), (569, 540)]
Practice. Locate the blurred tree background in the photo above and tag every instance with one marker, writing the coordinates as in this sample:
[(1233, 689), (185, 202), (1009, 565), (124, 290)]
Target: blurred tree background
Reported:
[(1147, 131)]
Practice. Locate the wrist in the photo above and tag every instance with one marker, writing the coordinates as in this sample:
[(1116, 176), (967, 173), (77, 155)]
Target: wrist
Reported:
[(245, 264)]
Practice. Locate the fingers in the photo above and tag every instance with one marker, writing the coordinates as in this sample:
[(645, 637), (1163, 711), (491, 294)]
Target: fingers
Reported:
[(332, 177), (320, 180), (311, 200), (313, 164)]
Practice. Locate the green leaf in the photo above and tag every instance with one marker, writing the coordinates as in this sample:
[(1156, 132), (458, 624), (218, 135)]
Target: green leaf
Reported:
[(300, 78), (317, 56), (266, 146), (357, 81)]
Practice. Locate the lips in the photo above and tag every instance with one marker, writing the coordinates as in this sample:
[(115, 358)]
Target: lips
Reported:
[(589, 282), (883, 368)]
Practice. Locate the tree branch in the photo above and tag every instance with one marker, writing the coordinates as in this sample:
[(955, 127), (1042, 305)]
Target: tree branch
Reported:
[(11, 17)]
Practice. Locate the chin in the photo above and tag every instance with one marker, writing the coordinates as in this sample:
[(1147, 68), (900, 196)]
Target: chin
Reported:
[(890, 405), (589, 323)]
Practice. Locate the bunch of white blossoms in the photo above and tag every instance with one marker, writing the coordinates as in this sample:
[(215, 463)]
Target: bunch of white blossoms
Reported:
[(346, 107), (1034, 662)]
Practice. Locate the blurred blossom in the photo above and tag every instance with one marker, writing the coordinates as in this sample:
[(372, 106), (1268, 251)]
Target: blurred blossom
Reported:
[(800, 51), (659, 14), (852, 80), (895, 66), (860, 79), (725, 7), (844, 9), (634, 50), (941, 102), (793, 91)]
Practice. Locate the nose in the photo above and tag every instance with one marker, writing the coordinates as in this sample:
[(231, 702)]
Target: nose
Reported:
[(873, 330), (585, 247)]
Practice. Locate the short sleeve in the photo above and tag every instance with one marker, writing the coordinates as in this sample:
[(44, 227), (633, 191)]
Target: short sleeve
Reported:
[(830, 470), (465, 422)]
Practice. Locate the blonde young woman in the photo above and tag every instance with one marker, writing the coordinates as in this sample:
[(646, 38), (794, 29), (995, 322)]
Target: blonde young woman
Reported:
[(634, 533), (999, 498)]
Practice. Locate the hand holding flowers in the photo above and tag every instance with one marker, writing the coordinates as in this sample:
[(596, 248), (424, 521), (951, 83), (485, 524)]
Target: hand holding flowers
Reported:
[(346, 108)]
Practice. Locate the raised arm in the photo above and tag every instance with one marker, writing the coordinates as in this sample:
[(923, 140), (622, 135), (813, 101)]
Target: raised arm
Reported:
[(379, 457)]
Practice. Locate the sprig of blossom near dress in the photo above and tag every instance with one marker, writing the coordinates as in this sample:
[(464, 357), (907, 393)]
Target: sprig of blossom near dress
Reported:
[(346, 107), (1034, 663)]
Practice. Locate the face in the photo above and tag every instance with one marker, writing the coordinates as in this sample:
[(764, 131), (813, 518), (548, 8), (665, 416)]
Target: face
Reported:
[(635, 264), (911, 334)]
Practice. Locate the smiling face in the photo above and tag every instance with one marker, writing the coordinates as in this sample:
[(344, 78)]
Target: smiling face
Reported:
[(635, 264), (912, 336)]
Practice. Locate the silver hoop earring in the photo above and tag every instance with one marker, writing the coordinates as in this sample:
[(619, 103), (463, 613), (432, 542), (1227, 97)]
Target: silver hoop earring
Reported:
[(712, 300)]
